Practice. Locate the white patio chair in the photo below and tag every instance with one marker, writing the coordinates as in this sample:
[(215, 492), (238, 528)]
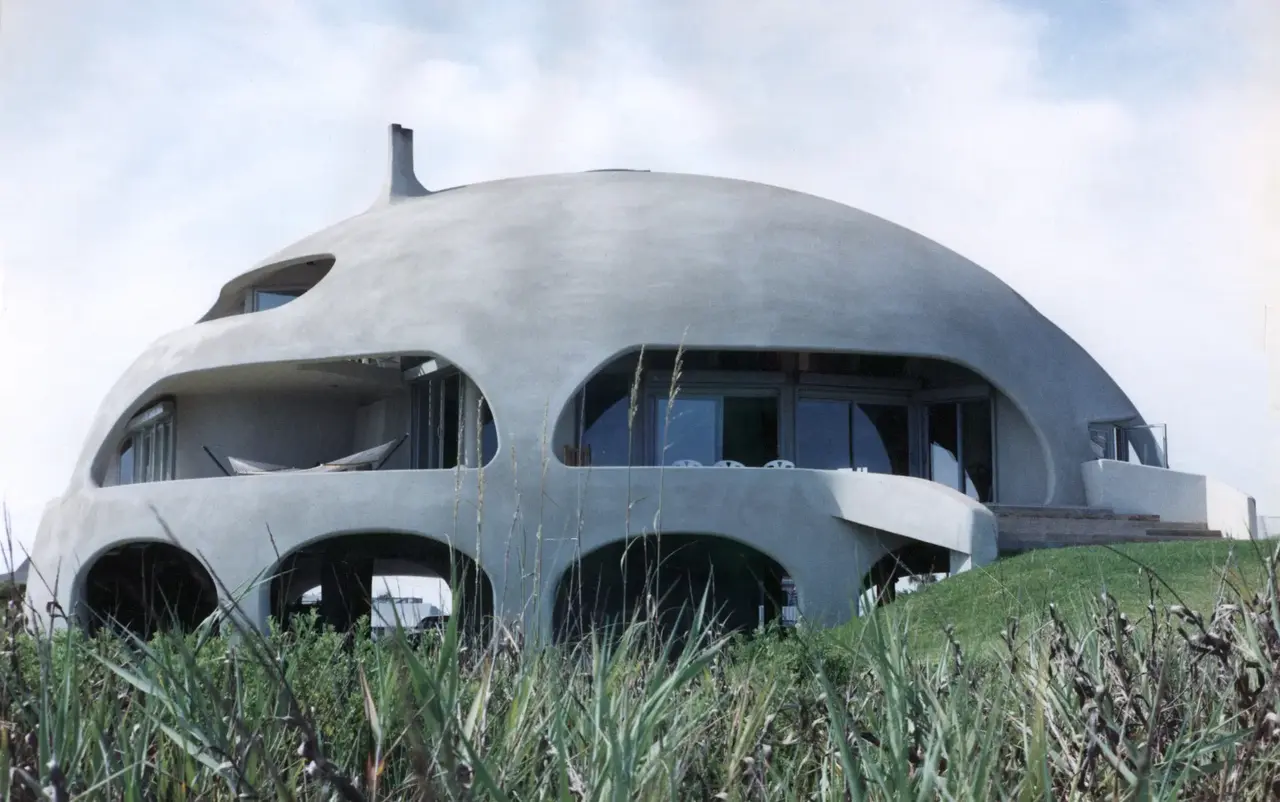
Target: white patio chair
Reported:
[(780, 463), (729, 463), (686, 463)]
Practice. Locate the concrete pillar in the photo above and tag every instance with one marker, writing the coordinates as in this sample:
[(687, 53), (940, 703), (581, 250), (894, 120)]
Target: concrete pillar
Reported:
[(470, 423), (251, 609), (827, 597)]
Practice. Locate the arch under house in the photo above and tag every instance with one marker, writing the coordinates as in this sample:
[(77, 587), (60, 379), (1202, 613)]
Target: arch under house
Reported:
[(504, 386)]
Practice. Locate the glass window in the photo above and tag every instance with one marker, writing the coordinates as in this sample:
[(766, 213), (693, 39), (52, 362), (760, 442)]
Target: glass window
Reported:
[(960, 447), (709, 428), (488, 434), (438, 407), (975, 441), (147, 453), (126, 463), (688, 428), (605, 409), (449, 426), (749, 430), (822, 434), (833, 434), (881, 438), (270, 299), (438, 425), (944, 447)]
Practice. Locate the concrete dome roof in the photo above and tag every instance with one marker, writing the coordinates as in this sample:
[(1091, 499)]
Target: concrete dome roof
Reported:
[(530, 284)]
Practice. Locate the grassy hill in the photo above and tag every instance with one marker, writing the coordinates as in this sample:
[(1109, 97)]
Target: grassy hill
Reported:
[(980, 602)]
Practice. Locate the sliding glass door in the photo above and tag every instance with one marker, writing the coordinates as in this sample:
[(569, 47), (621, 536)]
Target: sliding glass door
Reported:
[(833, 433), (708, 427), (960, 448), (948, 438), (447, 430)]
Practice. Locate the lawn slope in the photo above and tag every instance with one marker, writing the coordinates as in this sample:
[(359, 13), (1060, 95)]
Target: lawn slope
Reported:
[(979, 603)]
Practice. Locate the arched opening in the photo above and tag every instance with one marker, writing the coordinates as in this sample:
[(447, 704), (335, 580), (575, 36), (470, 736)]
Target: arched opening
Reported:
[(394, 579), (903, 570), (663, 578), (879, 413), (345, 413), (271, 286), (145, 588)]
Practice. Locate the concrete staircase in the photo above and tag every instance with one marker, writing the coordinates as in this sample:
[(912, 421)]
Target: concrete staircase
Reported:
[(1027, 528)]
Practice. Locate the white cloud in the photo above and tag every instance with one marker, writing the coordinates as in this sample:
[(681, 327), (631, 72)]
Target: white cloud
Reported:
[(1115, 174)]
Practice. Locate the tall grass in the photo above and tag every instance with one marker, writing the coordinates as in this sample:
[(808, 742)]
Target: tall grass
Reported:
[(1181, 704)]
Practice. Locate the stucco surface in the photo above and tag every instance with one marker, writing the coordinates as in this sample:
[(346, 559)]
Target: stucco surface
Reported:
[(1175, 496), (531, 284)]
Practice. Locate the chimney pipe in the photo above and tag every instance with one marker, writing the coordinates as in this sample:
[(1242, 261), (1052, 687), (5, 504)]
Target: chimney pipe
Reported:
[(401, 181)]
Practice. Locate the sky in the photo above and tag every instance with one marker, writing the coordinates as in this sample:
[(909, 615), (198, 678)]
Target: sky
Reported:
[(1112, 160)]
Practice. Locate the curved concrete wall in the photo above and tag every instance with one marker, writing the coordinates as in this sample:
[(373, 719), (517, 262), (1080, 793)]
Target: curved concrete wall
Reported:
[(529, 285), (1175, 496), (825, 528)]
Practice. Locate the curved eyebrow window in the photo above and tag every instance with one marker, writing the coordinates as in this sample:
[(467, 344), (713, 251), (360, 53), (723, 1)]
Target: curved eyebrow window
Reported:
[(261, 300), (271, 286)]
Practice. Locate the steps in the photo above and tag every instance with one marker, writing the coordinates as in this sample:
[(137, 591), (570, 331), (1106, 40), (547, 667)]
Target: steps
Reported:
[(1024, 528)]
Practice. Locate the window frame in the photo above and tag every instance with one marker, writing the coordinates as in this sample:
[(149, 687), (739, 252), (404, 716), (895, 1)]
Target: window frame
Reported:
[(790, 390), (251, 305), (853, 397), (715, 384), (957, 398), (428, 391), (151, 435)]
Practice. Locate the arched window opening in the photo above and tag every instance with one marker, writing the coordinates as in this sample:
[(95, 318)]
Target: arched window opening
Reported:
[(147, 452), (392, 579), (663, 579), (903, 570), (878, 413), (145, 588)]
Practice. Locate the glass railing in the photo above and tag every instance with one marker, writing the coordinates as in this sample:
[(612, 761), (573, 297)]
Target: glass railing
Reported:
[(1147, 444), (1141, 444)]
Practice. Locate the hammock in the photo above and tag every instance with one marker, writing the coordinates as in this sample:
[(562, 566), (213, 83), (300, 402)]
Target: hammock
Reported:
[(369, 459)]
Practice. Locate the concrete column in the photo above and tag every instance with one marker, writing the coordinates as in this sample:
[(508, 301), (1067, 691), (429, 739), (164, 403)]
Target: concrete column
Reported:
[(251, 609), (470, 423), (539, 616), (828, 581)]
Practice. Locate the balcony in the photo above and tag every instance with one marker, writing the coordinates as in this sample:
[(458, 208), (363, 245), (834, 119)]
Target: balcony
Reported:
[(753, 409), (388, 412)]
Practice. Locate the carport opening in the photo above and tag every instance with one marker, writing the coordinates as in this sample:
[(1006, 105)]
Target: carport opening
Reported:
[(663, 579), (393, 580), (902, 571), (146, 588)]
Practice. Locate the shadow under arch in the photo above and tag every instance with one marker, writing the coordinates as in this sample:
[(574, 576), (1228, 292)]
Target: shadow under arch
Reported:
[(344, 565), (663, 579), (912, 559), (146, 587)]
